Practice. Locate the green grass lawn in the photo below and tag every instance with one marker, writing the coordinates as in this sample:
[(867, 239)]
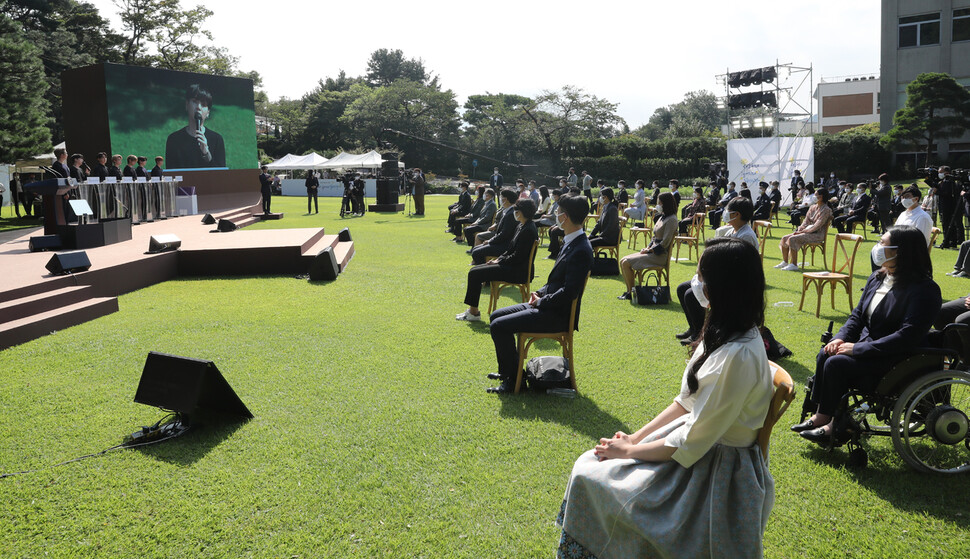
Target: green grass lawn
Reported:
[(373, 435)]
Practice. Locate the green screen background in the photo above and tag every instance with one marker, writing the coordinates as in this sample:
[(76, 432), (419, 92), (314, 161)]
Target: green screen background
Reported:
[(145, 105)]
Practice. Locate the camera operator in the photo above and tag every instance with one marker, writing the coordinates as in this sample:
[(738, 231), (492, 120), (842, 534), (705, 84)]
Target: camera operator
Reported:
[(951, 219), (418, 184), (345, 204), (358, 194)]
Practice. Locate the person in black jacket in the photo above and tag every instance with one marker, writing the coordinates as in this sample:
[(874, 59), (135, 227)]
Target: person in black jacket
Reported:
[(157, 169), (894, 315), (114, 170), (762, 206), (485, 218), (100, 169), (882, 205), (548, 308), (607, 229), (472, 215), (499, 236), (513, 265), (312, 184), (857, 213), (266, 188), (59, 166), (459, 208)]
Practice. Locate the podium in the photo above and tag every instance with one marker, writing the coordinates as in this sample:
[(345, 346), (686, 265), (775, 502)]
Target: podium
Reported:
[(53, 192)]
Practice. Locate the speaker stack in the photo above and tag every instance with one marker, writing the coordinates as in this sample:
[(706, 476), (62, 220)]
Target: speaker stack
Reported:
[(387, 186)]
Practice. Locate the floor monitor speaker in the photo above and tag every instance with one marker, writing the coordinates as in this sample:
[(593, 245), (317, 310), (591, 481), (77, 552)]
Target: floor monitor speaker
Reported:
[(208, 219), (344, 235), (226, 226), (161, 243), (44, 242), (187, 386), (324, 266), (69, 263)]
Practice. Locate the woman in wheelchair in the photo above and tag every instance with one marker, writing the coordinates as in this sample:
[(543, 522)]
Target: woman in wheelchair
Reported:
[(898, 306), (691, 480)]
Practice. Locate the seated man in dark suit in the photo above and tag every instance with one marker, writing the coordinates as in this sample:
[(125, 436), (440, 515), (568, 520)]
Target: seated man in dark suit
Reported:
[(504, 204), (472, 215), (513, 265), (714, 216), (459, 208), (856, 213), (607, 229), (497, 241), (485, 218), (548, 308)]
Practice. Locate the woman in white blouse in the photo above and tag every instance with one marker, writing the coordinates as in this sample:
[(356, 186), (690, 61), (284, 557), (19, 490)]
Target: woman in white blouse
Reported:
[(691, 482)]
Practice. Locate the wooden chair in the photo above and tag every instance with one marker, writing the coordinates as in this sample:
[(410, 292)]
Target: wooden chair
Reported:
[(646, 230), (765, 232), (543, 232), (865, 231), (823, 245), (662, 273), (837, 274), (783, 397), (613, 251), (524, 288), (565, 339), (695, 232), (935, 232), (774, 215)]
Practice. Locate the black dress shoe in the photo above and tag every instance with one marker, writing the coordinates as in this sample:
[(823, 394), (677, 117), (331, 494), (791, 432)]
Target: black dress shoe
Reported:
[(504, 388), (817, 436), (684, 335), (494, 376), (805, 426), (624, 297), (686, 341)]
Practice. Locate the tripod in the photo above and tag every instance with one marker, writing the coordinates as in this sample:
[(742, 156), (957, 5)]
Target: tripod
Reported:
[(407, 202)]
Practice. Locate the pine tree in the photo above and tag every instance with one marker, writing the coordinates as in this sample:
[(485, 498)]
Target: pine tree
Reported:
[(24, 128), (937, 107)]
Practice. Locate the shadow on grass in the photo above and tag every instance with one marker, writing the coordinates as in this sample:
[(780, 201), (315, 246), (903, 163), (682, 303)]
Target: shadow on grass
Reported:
[(899, 485), (205, 434), (580, 414)]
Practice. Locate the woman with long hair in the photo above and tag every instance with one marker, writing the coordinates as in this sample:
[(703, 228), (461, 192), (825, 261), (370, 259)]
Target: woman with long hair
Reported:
[(894, 314), (691, 480)]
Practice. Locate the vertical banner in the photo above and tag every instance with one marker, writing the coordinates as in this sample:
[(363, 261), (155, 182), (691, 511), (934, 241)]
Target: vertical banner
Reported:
[(771, 159)]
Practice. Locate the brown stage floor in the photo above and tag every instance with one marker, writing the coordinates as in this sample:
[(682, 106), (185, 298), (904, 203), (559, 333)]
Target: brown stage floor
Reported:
[(124, 267)]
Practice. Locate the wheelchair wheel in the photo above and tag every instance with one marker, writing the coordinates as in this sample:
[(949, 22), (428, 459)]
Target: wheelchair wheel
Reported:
[(930, 427)]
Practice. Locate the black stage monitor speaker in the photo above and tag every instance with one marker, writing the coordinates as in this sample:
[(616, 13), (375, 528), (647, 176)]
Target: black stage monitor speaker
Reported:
[(324, 266), (69, 263), (161, 243), (226, 226), (45, 242), (344, 235), (208, 219), (187, 386)]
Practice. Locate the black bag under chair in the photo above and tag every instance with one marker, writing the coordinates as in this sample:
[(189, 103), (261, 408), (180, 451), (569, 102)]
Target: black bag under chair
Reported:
[(550, 371), (604, 266), (650, 294)]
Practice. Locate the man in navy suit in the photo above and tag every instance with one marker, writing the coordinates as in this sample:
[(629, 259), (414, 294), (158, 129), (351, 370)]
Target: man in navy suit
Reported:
[(60, 164), (548, 308), (500, 235), (495, 181)]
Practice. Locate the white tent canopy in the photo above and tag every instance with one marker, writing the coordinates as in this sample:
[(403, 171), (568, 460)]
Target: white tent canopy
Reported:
[(32, 164), (291, 162), (344, 160)]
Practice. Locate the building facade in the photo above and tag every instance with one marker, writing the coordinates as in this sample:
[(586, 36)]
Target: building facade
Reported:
[(922, 36), (846, 102)]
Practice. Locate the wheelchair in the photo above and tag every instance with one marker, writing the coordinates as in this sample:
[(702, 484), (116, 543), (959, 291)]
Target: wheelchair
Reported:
[(922, 403)]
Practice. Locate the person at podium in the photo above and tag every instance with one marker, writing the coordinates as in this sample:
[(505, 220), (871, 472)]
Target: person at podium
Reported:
[(196, 146)]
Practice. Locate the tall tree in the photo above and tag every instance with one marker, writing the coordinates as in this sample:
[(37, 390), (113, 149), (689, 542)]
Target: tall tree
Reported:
[(560, 115), (499, 125), (387, 66), (937, 107), (23, 120), (696, 115)]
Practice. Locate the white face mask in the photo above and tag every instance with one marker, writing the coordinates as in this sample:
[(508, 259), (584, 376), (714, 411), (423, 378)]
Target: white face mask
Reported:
[(908, 202), (559, 222), (832, 175), (697, 288), (879, 255), (941, 175), (861, 190)]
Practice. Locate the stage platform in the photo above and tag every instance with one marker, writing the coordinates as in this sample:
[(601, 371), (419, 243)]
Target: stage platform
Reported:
[(34, 303)]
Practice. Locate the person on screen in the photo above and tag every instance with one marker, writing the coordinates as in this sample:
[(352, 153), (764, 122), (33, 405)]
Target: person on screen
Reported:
[(195, 145)]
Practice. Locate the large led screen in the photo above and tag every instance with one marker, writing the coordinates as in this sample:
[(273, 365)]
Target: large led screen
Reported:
[(194, 121)]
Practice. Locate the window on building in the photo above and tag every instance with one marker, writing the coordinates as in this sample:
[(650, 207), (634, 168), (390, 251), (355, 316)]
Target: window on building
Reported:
[(917, 31), (961, 25)]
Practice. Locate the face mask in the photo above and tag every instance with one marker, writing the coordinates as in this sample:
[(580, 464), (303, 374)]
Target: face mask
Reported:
[(697, 288), (732, 215), (832, 175), (559, 222), (516, 215), (861, 190), (879, 255), (908, 202), (941, 175)]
